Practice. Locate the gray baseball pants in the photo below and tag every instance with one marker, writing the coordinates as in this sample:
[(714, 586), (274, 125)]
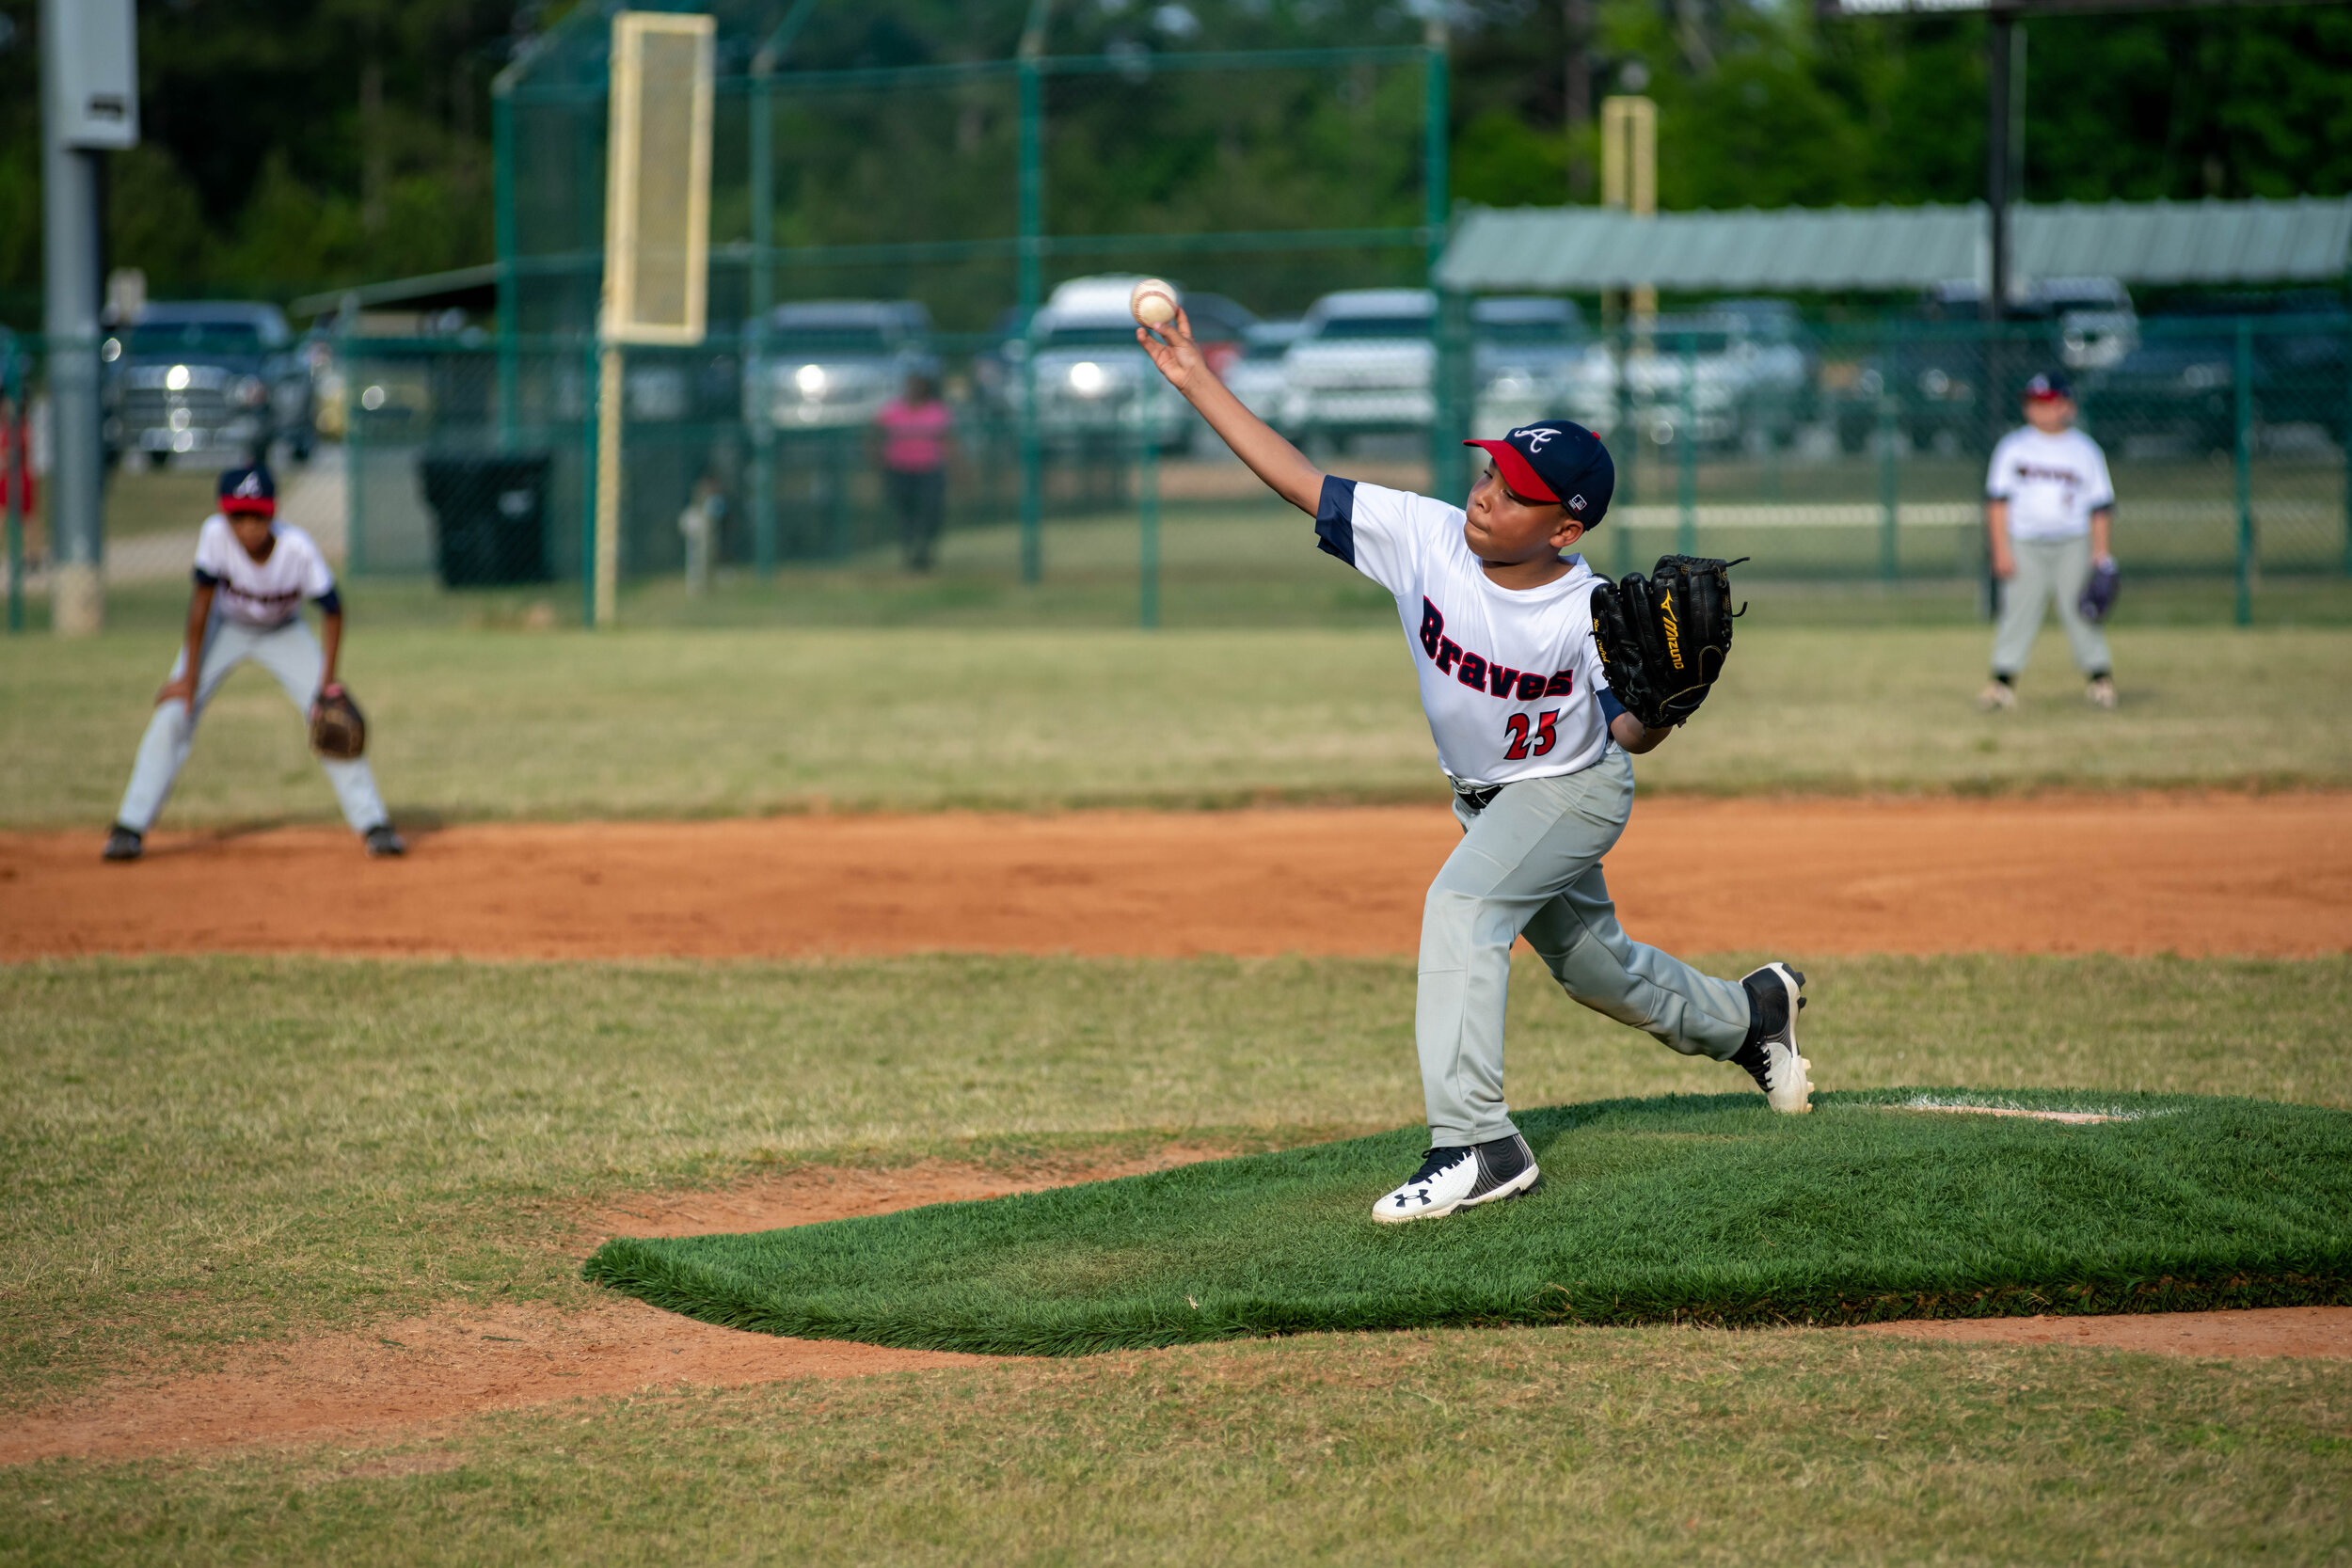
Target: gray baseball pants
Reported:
[(292, 654), (1530, 864), (2048, 567)]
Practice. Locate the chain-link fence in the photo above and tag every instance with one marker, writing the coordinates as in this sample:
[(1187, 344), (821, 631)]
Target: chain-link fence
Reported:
[(1828, 454), (1832, 454)]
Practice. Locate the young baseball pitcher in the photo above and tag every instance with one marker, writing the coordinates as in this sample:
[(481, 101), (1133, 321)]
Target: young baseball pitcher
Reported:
[(2049, 517), (1499, 621), (252, 574)]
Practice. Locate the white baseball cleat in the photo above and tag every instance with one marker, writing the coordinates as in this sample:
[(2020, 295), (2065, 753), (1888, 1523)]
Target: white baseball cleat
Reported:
[(1460, 1177), (1997, 697), (1777, 994)]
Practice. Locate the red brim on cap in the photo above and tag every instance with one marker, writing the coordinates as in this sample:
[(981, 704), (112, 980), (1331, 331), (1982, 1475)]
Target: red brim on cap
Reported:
[(1517, 473), (2052, 395), (260, 506)]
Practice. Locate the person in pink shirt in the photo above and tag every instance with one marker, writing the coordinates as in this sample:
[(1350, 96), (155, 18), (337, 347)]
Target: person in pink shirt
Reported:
[(914, 435)]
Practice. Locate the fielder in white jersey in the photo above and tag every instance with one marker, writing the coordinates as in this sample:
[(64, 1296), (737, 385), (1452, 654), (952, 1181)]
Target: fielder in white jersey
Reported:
[(252, 574), (1499, 621), (2049, 515)]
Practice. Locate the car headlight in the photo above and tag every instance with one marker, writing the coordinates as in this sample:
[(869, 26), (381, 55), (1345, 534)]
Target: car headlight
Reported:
[(810, 380), (1087, 378), (249, 392)]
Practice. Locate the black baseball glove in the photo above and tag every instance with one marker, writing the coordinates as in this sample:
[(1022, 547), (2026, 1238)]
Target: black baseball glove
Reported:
[(338, 730), (1662, 639), (2098, 595)]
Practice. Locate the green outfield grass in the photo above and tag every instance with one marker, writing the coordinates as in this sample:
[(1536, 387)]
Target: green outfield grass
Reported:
[(1710, 1207), (1589, 1446), (197, 1153), (472, 723), (201, 1151)]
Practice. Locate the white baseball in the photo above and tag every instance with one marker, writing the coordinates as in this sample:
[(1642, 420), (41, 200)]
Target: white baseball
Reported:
[(1153, 301)]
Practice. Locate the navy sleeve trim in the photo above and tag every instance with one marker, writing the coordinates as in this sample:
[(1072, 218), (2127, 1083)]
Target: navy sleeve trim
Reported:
[(330, 602), (206, 579), (1335, 518), (1610, 708)]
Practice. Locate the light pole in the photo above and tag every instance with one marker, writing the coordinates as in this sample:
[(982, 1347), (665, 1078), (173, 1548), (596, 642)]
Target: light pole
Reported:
[(89, 104)]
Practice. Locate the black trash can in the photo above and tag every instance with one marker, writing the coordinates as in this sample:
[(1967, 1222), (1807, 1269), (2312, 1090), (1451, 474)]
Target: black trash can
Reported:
[(489, 514)]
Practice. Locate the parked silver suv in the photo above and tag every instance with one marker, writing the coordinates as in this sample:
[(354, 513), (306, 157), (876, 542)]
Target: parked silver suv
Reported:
[(1740, 371), (1361, 365), (831, 364), (1093, 381)]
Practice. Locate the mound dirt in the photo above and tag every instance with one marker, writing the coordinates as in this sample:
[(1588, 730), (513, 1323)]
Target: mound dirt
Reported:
[(2132, 874)]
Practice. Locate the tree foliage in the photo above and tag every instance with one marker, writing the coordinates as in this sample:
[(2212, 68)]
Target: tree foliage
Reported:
[(294, 145)]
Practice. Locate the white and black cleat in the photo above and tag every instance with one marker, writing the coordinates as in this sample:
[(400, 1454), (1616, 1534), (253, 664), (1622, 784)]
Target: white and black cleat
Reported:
[(1461, 1178), (1777, 996)]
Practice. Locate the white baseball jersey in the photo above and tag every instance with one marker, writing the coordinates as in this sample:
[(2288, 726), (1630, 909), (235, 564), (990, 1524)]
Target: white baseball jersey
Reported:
[(1509, 677), (261, 592), (2053, 483)]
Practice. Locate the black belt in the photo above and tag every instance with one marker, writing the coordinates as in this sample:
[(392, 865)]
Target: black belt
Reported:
[(1477, 796)]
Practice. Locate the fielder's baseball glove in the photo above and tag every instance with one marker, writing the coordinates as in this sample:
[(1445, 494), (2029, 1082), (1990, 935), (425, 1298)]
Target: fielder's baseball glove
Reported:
[(338, 729), (2098, 596), (1662, 639)]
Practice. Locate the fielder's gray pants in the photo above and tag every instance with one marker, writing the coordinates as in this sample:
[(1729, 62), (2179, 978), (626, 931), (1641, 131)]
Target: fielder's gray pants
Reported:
[(1529, 863), (288, 651), (2048, 567)]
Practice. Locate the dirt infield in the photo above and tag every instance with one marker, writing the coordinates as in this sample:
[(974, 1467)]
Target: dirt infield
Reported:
[(2133, 874), (462, 1360), (401, 1377)]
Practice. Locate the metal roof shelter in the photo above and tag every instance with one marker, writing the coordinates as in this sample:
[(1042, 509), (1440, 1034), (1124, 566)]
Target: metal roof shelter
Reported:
[(1837, 248)]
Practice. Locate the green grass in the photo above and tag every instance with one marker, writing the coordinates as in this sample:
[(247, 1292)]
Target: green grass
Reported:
[(201, 1153), (482, 723), (197, 1152), (1589, 1446), (1710, 1208)]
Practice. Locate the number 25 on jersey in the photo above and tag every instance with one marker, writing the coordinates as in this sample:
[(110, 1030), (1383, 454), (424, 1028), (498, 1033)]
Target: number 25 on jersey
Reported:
[(1547, 736)]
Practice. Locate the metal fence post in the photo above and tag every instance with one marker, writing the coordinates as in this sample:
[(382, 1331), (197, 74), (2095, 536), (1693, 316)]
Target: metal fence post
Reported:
[(1687, 454), (12, 444), (2344, 444), (589, 458), (354, 450), (755, 392), (1447, 419), (2242, 379), (1147, 507), (1032, 194), (509, 284), (1890, 481)]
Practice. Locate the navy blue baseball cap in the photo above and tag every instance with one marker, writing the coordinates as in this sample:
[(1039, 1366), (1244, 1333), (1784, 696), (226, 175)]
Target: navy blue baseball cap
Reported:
[(248, 490), (1556, 461), (2048, 388)]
